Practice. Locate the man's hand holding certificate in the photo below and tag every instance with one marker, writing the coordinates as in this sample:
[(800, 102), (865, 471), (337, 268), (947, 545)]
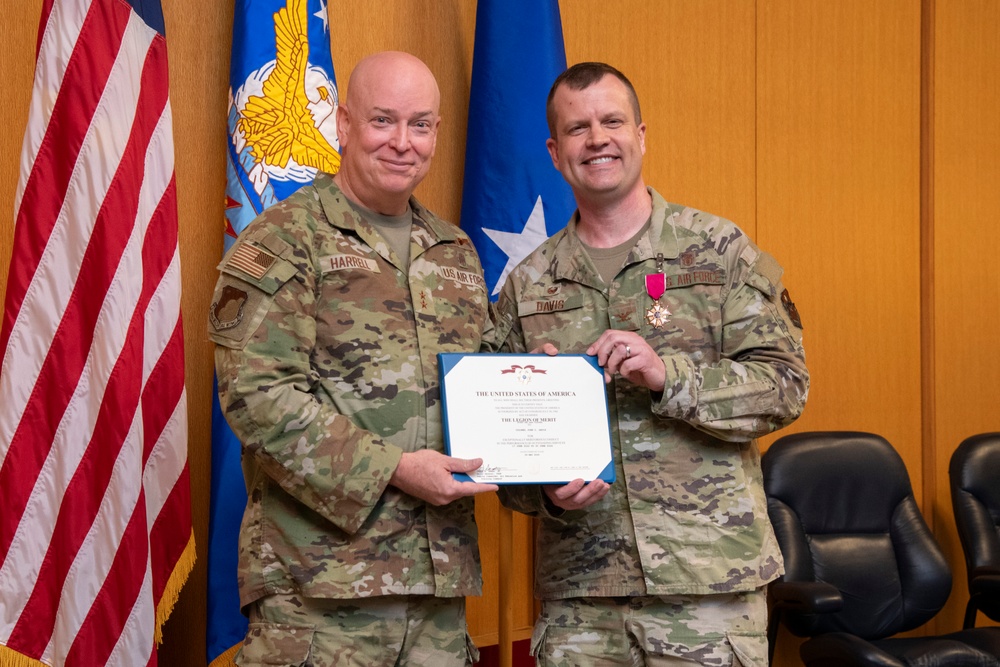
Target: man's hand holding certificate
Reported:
[(532, 418)]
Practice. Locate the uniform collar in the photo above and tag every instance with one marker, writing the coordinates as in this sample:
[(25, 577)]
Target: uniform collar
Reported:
[(570, 259), (428, 229)]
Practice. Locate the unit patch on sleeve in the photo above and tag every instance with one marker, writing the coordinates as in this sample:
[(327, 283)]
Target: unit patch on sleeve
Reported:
[(227, 312), (793, 312)]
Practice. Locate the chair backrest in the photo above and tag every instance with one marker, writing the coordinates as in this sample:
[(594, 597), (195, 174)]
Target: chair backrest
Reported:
[(975, 496), (844, 514)]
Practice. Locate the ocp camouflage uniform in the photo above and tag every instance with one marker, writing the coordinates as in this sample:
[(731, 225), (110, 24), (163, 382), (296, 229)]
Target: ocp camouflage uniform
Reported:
[(327, 368), (687, 514)]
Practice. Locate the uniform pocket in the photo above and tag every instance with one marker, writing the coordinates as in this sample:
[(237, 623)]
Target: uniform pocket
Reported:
[(748, 650), (276, 644), (471, 650), (538, 639)]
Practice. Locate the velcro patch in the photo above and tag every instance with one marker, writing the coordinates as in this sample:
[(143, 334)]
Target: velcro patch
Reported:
[(347, 262), (768, 267), (709, 276), (251, 260), (460, 276), (227, 312), (793, 312), (549, 305)]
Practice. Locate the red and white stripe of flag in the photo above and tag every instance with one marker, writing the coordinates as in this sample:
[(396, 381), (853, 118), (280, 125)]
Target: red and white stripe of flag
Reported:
[(95, 532)]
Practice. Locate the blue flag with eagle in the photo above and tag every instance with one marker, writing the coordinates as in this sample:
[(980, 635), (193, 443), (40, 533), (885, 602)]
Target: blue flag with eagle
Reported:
[(282, 130), (513, 198)]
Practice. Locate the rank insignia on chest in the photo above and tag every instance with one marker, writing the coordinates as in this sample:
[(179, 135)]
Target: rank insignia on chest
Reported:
[(656, 284)]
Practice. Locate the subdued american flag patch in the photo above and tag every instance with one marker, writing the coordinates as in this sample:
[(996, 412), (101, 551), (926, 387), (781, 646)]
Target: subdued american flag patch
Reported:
[(251, 260)]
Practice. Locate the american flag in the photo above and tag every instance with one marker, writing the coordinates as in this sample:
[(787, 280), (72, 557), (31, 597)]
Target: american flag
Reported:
[(95, 528)]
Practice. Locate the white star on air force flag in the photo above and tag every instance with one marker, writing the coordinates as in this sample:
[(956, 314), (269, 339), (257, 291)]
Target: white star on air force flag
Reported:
[(517, 56), (322, 15), (518, 246)]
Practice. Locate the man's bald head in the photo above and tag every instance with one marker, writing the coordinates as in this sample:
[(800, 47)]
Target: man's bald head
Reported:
[(392, 66), (387, 129)]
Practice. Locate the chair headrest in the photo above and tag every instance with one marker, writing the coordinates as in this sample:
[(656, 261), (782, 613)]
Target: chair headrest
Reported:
[(975, 467), (837, 480)]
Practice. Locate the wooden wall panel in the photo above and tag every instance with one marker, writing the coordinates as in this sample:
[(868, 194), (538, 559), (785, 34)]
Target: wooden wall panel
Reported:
[(17, 67), (798, 119), (966, 179), (198, 38), (838, 93), (441, 34), (692, 66), (838, 205)]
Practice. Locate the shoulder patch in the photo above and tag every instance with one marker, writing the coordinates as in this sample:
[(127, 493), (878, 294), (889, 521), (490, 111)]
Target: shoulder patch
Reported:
[(251, 260), (793, 312), (276, 244), (227, 312), (768, 266)]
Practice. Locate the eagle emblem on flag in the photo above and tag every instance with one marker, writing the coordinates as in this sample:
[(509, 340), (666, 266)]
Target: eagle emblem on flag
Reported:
[(287, 108)]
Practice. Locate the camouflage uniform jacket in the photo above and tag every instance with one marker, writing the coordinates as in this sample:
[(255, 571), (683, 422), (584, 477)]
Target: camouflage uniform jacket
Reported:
[(327, 367), (687, 514)]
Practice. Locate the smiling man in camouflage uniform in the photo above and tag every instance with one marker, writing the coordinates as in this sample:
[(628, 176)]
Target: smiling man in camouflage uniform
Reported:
[(701, 348), (357, 545)]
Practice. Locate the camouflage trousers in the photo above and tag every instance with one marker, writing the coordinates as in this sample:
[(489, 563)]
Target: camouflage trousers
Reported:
[(402, 630), (680, 630)]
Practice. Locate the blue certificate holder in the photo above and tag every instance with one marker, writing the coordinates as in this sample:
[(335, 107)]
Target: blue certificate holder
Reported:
[(532, 418)]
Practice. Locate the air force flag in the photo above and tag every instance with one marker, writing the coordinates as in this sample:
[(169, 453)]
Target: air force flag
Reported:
[(513, 198), (282, 130), (283, 103)]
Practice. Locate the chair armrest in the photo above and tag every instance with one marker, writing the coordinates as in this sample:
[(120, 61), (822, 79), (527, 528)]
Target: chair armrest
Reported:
[(840, 649), (985, 581), (806, 597)]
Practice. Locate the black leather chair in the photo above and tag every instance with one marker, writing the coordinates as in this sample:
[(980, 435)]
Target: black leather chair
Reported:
[(975, 495), (860, 562)]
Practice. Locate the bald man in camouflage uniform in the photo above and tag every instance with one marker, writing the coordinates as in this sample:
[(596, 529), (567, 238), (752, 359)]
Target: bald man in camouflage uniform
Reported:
[(357, 545), (701, 348)]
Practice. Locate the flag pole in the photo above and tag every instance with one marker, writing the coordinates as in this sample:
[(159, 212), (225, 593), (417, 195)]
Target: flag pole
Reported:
[(505, 557)]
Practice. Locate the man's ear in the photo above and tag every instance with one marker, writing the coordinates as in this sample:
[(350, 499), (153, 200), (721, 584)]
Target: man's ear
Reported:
[(553, 151), (343, 123)]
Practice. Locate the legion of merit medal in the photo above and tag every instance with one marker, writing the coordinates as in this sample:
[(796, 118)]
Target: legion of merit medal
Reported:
[(656, 284)]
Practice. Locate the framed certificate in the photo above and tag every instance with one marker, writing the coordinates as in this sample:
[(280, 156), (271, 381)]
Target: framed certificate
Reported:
[(532, 418)]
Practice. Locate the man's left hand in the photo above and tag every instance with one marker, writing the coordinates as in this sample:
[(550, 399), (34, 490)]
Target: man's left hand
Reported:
[(577, 494), (628, 354)]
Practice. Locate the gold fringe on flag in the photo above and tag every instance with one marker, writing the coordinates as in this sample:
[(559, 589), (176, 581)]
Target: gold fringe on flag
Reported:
[(228, 658), (172, 590), (11, 658)]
